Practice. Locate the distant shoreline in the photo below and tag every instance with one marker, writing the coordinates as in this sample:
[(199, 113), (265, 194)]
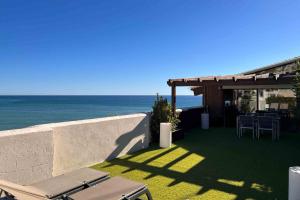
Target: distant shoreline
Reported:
[(3, 95)]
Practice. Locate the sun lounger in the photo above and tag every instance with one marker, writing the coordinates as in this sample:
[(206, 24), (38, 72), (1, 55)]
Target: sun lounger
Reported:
[(116, 188), (82, 184), (54, 188)]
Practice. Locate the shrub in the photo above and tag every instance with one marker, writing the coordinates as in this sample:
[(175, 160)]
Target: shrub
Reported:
[(162, 112), (281, 99), (246, 100)]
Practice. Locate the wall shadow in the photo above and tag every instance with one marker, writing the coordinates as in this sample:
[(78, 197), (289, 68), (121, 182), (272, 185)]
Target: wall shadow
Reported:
[(122, 142)]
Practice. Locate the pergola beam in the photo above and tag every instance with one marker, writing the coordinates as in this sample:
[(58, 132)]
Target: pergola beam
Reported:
[(221, 82), (254, 87)]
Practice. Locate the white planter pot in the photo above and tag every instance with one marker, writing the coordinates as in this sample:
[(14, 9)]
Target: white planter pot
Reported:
[(165, 138), (294, 183), (205, 120)]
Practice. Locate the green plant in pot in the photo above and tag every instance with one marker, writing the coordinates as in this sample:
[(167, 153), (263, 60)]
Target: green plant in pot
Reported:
[(281, 99), (161, 112), (246, 100)]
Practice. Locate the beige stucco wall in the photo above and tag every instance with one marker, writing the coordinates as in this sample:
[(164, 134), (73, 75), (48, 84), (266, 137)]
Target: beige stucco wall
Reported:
[(36, 153), (83, 143), (26, 155)]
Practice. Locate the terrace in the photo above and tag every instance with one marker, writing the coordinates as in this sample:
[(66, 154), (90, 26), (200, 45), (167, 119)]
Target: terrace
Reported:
[(204, 164), (213, 164)]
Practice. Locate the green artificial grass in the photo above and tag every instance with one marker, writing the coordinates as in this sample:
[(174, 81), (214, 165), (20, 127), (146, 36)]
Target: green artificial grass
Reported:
[(213, 164)]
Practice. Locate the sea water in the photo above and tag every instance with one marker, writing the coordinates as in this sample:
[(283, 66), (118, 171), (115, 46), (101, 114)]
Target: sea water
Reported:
[(24, 111)]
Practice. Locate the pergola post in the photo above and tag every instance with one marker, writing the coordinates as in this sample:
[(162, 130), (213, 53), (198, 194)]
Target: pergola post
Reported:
[(173, 99), (204, 96), (257, 99)]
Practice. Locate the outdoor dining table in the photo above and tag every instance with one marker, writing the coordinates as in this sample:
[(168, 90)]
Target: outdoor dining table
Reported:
[(257, 127)]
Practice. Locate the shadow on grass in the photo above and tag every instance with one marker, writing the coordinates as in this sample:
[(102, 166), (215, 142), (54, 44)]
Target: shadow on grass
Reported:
[(217, 160)]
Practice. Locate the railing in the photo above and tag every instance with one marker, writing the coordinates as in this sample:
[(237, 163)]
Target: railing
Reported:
[(190, 118)]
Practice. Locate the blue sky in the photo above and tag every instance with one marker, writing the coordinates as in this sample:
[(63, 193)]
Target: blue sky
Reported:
[(135, 46)]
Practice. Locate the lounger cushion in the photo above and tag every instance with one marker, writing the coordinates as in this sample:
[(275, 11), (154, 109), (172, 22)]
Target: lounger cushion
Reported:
[(20, 189), (112, 189), (66, 182)]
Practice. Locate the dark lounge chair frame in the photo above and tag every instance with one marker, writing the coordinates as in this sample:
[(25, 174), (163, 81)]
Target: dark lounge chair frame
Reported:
[(136, 194)]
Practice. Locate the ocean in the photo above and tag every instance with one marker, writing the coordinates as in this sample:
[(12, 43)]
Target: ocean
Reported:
[(24, 111)]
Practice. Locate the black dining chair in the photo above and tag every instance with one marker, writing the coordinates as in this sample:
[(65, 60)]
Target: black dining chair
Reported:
[(245, 122), (266, 123)]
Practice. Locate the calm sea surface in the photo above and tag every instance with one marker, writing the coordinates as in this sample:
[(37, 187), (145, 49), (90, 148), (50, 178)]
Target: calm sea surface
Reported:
[(23, 111)]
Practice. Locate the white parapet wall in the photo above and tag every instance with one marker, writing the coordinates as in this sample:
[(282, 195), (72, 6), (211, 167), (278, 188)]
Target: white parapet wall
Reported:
[(26, 155), (33, 154), (83, 143)]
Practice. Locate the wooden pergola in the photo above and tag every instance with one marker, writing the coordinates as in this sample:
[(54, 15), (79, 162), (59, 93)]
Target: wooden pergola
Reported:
[(211, 87)]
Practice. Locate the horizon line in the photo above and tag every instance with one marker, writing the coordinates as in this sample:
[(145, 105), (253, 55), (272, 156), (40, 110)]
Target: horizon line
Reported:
[(93, 95)]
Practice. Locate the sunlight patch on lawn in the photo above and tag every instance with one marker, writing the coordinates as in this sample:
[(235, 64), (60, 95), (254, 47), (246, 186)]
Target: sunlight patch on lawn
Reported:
[(141, 158), (232, 182), (216, 194), (261, 188), (187, 163), (137, 174), (161, 189), (169, 157), (184, 190), (106, 166)]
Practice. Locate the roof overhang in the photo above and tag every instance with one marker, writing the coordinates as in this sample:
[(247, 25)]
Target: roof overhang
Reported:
[(264, 79), (272, 66)]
